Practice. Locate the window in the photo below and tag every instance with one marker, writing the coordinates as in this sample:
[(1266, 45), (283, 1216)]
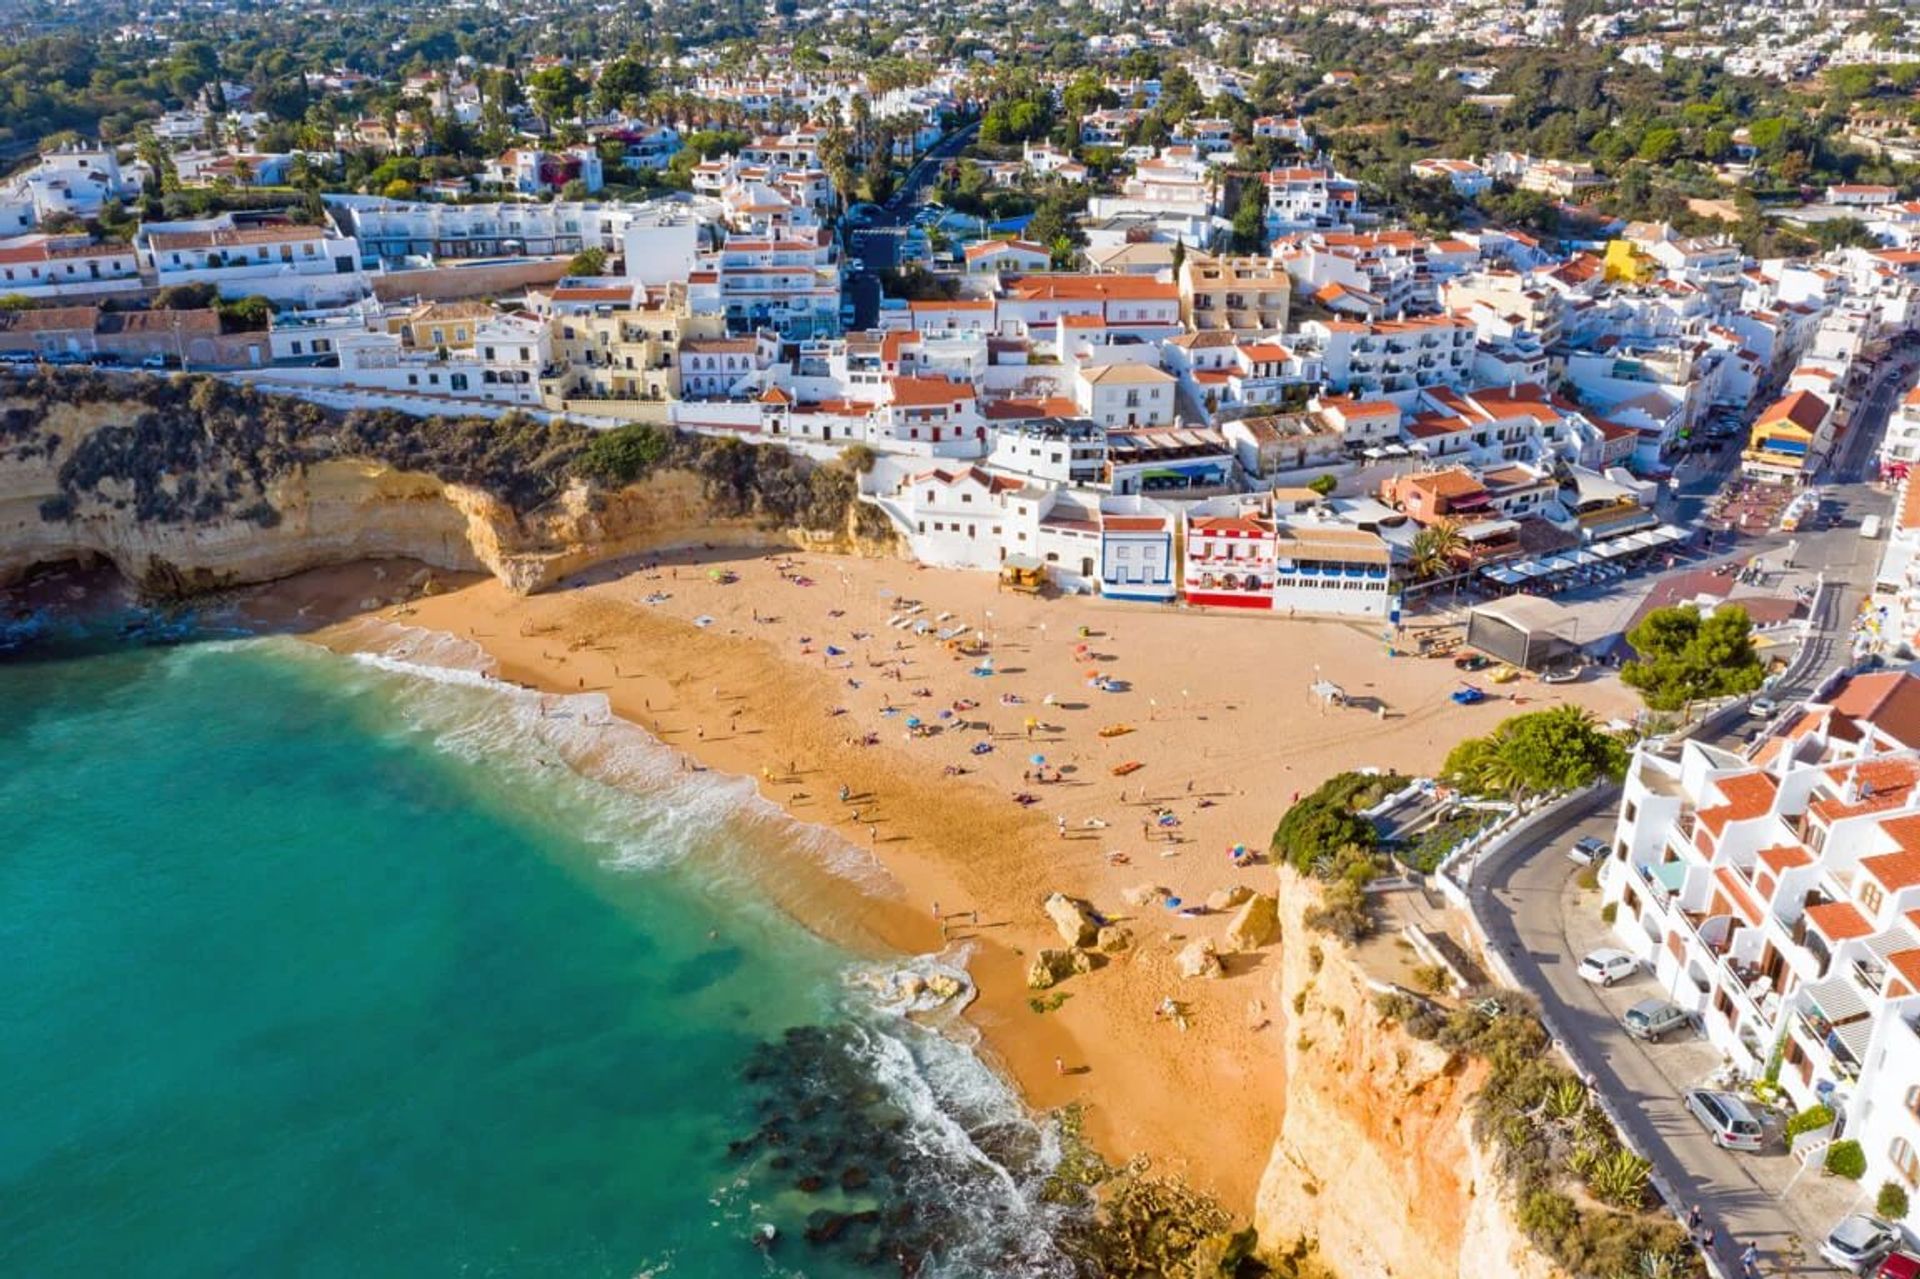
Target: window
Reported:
[(1902, 1156), (1871, 897)]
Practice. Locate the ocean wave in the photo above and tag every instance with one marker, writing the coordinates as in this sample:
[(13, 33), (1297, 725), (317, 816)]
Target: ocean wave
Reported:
[(655, 807)]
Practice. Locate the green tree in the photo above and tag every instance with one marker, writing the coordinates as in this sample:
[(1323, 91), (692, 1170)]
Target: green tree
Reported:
[(1891, 1203), (1658, 146), (1324, 485), (557, 92), (1682, 656), (1250, 218), (1433, 549), (1542, 752), (623, 84), (589, 261)]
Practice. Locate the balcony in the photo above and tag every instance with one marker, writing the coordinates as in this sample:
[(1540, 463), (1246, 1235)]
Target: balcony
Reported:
[(1822, 1041)]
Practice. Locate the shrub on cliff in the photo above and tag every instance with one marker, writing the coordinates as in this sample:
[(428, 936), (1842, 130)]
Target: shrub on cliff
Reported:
[(1326, 821), (623, 455)]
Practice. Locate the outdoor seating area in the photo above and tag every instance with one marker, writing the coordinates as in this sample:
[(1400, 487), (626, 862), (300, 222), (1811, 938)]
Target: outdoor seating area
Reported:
[(1588, 565)]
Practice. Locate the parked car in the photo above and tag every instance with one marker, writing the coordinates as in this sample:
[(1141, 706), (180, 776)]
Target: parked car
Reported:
[(1901, 1265), (1726, 1119), (1763, 707), (1607, 966), (1654, 1019), (1586, 850), (1858, 1243), (155, 362)]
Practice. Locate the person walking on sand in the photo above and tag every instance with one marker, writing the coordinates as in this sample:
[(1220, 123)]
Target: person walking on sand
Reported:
[(1059, 1066), (1063, 825), (873, 836)]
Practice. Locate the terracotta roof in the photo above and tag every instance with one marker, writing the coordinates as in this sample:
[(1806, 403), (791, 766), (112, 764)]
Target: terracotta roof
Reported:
[(1803, 409), (1907, 964), (1785, 857), (1894, 871), (1888, 700), (1838, 921), (927, 392)]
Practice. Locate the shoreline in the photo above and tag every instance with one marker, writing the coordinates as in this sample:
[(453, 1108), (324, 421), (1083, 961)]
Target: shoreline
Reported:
[(743, 695)]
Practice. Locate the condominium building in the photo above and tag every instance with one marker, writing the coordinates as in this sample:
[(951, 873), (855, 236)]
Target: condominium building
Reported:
[(1778, 899)]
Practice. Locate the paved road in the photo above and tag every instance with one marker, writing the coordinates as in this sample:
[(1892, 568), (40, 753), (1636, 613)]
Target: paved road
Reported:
[(1541, 925), (912, 191)]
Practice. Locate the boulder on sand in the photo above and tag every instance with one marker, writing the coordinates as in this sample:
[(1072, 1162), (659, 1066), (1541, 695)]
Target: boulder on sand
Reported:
[(1049, 968), (1198, 958), (1114, 938), (1256, 924), (1144, 894), (1228, 898), (1073, 918)]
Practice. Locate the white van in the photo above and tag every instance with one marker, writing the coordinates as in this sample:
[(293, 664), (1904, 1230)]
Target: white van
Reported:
[(1870, 527)]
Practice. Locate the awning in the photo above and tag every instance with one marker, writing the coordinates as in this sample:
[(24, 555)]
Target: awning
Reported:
[(1614, 549), (1503, 575), (1837, 999), (1669, 875), (1668, 533), (1854, 1037)]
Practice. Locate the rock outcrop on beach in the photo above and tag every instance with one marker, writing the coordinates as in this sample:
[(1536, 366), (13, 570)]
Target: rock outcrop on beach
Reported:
[(1377, 1129), (1199, 958), (1072, 918), (188, 484), (1255, 924)]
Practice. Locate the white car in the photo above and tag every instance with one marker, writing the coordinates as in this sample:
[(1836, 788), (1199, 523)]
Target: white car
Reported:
[(1586, 850), (1607, 966), (1764, 707), (1858, 1243)]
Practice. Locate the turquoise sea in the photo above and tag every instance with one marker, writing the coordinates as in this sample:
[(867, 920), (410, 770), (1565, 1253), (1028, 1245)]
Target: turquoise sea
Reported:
[(321, 966)]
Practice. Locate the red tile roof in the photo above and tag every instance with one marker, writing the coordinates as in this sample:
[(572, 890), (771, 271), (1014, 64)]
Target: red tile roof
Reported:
[(1837, 921)]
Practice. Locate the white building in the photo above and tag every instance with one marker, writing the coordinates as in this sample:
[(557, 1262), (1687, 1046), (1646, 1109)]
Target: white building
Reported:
[(1777, 900), (283, 260)]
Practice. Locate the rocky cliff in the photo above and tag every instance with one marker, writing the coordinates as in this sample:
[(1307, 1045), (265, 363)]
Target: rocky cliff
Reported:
[(188, 485), (1376, 1158)]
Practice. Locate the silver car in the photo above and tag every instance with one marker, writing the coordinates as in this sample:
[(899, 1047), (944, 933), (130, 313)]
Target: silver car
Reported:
[(1652, 1019), (1726, 1119), (1858, 1243)]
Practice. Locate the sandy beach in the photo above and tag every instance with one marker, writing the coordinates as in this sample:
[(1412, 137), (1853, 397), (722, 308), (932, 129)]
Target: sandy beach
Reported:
[(806, 671)]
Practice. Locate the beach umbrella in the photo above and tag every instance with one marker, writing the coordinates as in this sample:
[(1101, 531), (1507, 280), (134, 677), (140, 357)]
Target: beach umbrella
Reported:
[(1173, 903), (913, 721), (1036, 759)]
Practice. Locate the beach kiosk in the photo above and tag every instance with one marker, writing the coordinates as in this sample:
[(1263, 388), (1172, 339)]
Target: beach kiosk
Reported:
[(1023, 573), (1524, 631)]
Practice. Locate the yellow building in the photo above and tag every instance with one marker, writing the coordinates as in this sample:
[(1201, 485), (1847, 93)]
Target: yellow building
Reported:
[(1625, 263), (433, 326), (618, 342), (1237, 294)]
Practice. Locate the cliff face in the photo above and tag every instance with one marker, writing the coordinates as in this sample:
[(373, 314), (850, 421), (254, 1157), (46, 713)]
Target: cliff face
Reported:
[(1376, 1157), (270, 520)]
